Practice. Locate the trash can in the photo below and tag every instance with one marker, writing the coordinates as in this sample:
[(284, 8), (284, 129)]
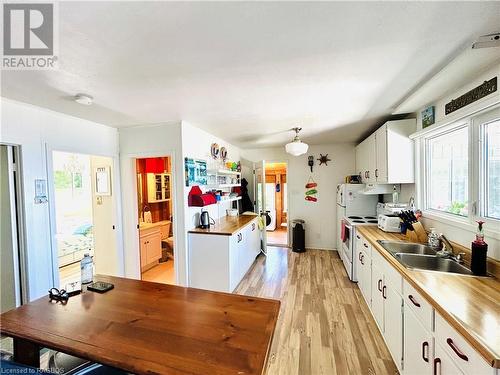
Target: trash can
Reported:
[(298, 236)]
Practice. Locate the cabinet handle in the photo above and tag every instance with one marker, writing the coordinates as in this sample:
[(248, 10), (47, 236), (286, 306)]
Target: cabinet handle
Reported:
[(253, 227), (425, 345), (412, 299), (358, 237), (365, 245), (380, 285), (368, 173), (456, 350), (436, 361), (384, 288), (359, 257), (362, 257), (376, 172)]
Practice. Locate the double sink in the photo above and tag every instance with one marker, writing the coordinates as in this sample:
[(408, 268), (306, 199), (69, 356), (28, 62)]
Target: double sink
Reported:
[(422, 257)]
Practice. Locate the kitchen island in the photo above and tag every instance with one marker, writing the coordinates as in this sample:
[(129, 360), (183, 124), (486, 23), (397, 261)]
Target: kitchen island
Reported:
[(221, 255)]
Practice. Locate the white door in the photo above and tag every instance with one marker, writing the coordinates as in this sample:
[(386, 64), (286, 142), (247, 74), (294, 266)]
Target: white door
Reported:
[(417, 346), (260, 198), (377, 298), (393, 330), (104, 217)]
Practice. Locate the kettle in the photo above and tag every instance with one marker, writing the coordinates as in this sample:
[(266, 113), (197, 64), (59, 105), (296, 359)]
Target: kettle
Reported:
[(204, 220)]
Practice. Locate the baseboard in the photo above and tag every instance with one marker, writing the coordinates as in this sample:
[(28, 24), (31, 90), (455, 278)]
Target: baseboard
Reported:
[(320, 248)]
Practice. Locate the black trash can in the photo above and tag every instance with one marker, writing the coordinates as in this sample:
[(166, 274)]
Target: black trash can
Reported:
[(298, 236)]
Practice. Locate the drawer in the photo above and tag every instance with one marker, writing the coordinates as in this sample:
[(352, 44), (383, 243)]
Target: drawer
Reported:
[(422, 309), (461, 352)]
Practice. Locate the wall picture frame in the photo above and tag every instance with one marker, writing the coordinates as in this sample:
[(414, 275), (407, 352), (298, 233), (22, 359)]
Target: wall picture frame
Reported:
[(196, 171), (428, 117)]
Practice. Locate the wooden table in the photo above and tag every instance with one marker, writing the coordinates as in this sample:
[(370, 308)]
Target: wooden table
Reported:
[(149, 328)]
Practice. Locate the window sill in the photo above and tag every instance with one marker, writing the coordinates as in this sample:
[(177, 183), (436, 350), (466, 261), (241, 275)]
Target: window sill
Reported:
[(466, 223)]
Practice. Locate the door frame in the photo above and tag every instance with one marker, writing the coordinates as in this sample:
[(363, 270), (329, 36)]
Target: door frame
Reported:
[(116, 189), (131, 245), (287, 161), (18, 222)]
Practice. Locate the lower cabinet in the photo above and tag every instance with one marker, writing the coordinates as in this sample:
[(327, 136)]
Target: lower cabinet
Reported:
[(364, 268), (150, 248), (219, 262), (418, 345)]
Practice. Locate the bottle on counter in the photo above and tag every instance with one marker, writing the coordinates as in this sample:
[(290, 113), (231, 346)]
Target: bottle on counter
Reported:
[(479, 250), (395, 195), (87, 269)]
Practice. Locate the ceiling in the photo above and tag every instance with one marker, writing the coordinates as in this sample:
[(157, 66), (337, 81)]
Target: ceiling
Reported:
[(249, 71)]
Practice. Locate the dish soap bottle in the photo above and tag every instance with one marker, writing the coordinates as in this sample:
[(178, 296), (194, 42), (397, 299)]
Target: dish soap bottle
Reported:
[(479, 249), (87, 269), (395, 195)]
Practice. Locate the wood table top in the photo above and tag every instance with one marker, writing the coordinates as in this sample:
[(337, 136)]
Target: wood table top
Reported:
[(227, 225), (469, 304), (151, 328)]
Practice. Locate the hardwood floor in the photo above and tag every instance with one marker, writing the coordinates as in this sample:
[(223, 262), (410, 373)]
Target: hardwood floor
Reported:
[(277, 237), (162, 273), (325, 326)]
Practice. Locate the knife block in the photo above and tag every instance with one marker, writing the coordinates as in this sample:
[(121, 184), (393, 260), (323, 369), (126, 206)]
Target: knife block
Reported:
[(418, 234)]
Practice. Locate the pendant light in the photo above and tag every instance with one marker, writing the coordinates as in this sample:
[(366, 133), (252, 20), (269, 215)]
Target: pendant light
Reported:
[(296, 147)]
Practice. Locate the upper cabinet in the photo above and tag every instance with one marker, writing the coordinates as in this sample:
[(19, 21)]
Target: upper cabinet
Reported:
[(387, 155)]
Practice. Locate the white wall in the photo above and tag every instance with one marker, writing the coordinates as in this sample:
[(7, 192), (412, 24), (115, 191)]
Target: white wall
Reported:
[(455, 231), (320, 217), (37, 129)]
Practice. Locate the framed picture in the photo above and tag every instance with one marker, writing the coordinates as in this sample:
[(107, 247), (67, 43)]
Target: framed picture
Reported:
[(428, 117), (102, 181), (196, 171)]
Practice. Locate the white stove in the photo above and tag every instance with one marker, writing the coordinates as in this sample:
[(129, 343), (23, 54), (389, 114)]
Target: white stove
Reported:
[(349, 243)]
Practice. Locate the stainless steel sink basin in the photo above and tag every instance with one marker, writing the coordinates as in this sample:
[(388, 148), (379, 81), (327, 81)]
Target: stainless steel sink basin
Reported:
[(431, 263), (406, 247)]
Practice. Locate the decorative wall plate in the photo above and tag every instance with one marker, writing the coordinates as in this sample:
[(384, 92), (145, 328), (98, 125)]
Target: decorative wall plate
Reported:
[(223, 153), (214, 150)]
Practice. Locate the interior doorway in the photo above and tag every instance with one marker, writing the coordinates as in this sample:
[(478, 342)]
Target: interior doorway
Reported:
[(156, 219), (277, 203), (12, 260), (84, 215)]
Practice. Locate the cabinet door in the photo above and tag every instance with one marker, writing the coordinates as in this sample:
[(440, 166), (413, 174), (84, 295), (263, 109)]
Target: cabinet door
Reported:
[(371, 157), (360, 161), (143, 250), (393, 315), (254, 242), (153, 247), (381, 150), (234, 267), (417, 345), (367, 278), (443, 364), (377, 298)]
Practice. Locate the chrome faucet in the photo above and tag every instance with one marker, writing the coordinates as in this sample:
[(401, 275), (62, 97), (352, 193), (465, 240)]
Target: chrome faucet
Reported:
[(447, 251)]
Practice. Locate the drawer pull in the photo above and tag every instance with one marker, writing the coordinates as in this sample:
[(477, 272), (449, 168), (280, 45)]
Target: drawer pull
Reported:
[(384, 288), (359, 257), (365, 245), (456, 350), (380, 285), (425, 345), (362, 257), (358, 237), (412, 299), (436, 362)]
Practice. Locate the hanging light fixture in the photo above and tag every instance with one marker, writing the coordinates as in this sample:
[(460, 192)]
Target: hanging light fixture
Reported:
[(296, 147)]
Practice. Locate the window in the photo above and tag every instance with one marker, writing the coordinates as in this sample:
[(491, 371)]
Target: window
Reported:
[(490, 169), (447, 177)]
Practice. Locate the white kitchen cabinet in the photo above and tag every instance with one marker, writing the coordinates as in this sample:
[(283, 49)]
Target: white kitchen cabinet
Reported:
[(418, 345), (150, 247), (443, 364), (363, 268), (377, 298), (219, 262), (387, 155)]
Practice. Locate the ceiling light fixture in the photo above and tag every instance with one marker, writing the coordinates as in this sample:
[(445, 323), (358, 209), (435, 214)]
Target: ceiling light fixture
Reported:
[(296, 147), (84, 99)]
